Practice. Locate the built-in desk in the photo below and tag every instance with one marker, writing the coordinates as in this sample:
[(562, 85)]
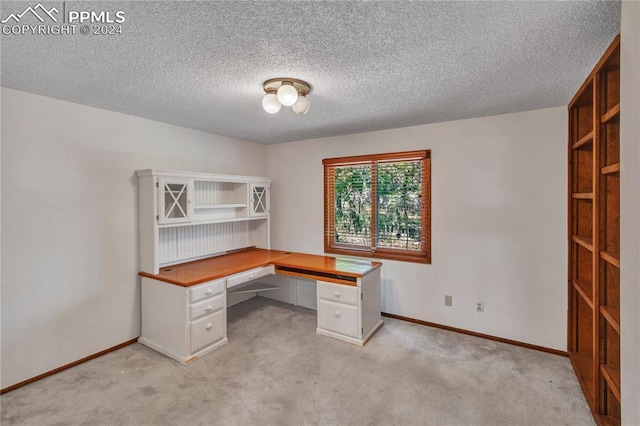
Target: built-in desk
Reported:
[(184, 305)]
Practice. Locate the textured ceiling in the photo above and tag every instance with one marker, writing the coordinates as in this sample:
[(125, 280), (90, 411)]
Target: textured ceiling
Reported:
[(372, 65)]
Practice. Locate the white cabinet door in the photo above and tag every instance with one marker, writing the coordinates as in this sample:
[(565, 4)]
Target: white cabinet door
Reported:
[(259, 199), (174, 200)]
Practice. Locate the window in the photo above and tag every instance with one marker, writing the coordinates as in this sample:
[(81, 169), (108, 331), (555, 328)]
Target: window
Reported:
[(379, 206)]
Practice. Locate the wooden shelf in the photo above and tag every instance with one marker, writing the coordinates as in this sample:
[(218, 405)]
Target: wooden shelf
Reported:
[(582, 195), (584, 290), (612, 113), (583, 141), (612, 317), (220, 206), (608, 170), (610, 258), (585, 242), (612, 377)]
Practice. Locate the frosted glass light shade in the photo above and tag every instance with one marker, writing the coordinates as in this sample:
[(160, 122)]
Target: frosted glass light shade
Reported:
[(301, 106), (270, 103), (287, 95)]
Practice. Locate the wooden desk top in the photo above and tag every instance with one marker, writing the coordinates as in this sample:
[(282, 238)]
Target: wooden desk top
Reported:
[(199, 271), (311, 262)]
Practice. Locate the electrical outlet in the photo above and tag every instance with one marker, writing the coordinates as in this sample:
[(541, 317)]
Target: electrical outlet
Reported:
[(480, 306), (448, 300)]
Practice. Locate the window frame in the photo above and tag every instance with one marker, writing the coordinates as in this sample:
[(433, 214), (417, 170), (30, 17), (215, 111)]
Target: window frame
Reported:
[(423, 256)]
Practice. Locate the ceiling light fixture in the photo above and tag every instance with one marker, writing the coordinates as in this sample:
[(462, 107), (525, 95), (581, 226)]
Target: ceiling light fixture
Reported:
[(288, 92)]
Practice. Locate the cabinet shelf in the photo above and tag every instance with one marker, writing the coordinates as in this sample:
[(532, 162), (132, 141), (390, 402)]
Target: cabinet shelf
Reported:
[(206, 222), (608, 170), (585, 242), (220, 206), (612, 377), (612, 113), (610, 258), (583, 141), (584, 290), (582, 195), (611, 317)]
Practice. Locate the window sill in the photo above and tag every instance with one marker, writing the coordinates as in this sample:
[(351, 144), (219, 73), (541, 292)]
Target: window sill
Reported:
[(415, 258)]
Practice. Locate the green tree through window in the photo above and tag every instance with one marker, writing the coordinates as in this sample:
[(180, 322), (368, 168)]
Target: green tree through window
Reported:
[(353, 205), (399, 197), (379, 206)]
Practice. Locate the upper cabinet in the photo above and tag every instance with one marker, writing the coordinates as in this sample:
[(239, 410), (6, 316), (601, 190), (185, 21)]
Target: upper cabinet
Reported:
[(174, 198), (186, 216), (259, 199)]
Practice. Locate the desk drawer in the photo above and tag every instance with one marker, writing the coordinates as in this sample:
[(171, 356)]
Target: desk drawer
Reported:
[(207, 331), (338, 293), (338, 317), (250, 275), (203, 291), (207, 306)]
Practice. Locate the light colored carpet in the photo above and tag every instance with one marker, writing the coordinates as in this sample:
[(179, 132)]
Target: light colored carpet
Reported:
[(277, 371)]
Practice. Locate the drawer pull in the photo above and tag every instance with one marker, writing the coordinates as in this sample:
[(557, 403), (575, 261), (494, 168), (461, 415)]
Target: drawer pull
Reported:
[(336, 294), (338, 314), (208, 292), (209, 326), (208, 308), (251, 276)]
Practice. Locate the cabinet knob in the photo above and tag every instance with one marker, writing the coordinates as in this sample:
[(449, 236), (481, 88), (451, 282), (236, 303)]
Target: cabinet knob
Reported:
[(251, 276), (208, 292), (209, 326), (208, 308), (336, 294), (338, 314)]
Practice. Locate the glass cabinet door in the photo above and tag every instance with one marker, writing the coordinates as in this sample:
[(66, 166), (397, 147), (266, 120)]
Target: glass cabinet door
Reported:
[(259, 200), (174, 197)]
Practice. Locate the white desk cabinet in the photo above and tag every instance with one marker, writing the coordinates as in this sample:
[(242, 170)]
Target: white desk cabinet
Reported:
[(350, 313), (184, 323)]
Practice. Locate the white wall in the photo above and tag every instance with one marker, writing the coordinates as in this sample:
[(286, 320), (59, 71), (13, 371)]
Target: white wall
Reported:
[(630, 211), (498, 220), (69, 222)]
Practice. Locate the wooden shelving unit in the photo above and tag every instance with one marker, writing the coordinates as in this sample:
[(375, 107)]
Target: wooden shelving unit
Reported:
[(594, 237)]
